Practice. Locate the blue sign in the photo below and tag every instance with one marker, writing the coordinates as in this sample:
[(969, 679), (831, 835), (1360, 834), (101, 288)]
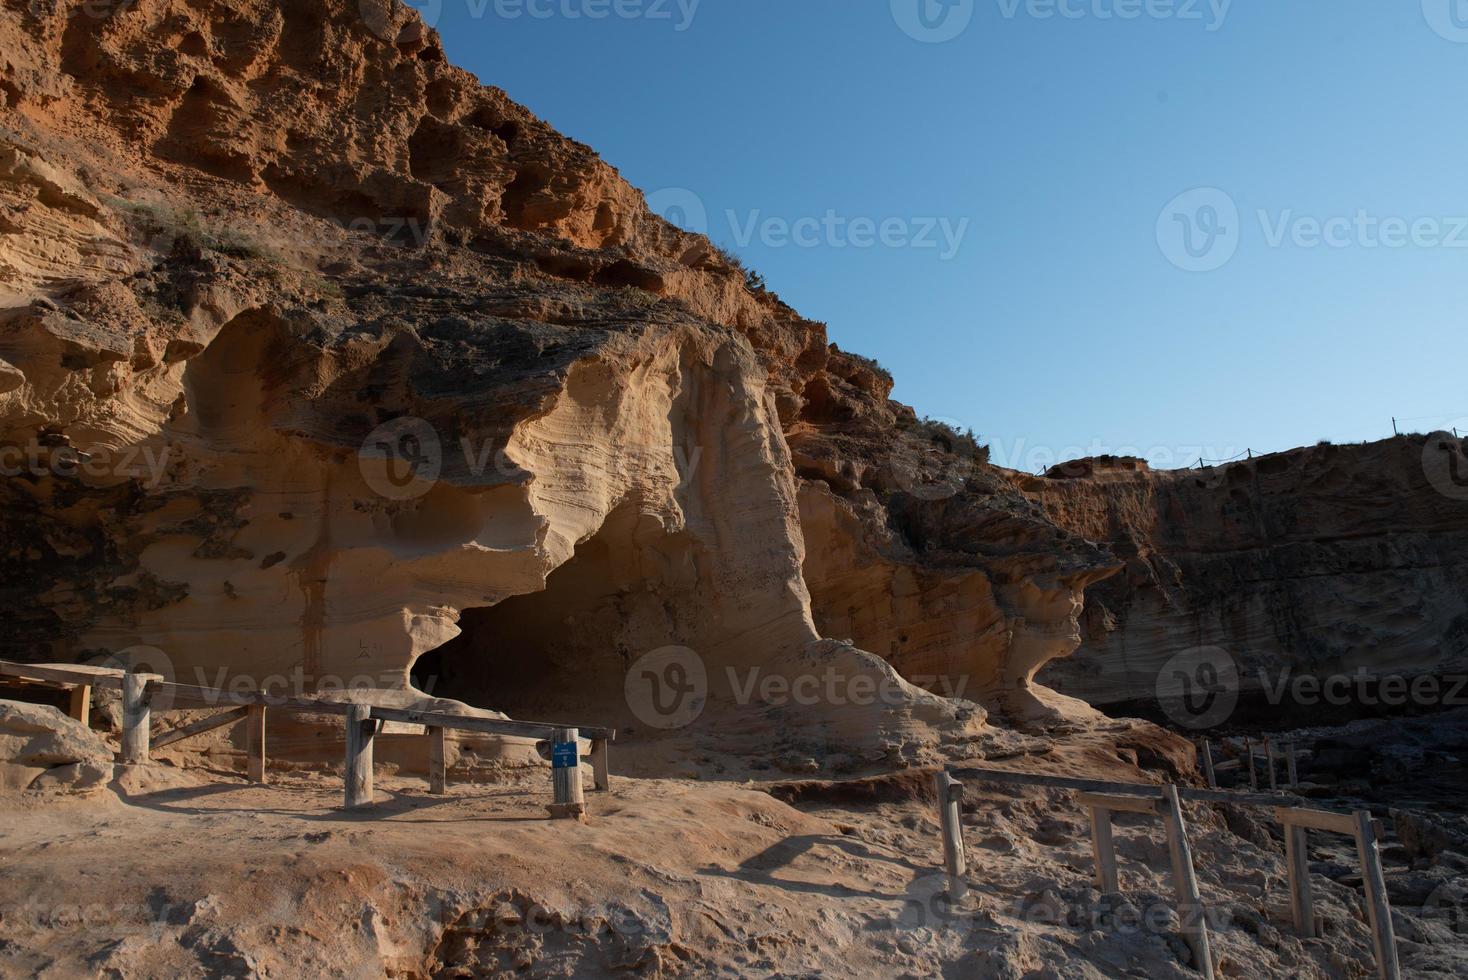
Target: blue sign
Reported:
[(563, 755)]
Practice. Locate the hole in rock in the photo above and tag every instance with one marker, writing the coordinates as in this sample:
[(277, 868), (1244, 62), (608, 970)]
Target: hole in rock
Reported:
[(561, 655)]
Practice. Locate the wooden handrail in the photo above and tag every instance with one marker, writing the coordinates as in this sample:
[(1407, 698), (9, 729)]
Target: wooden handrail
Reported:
[(487, 726)]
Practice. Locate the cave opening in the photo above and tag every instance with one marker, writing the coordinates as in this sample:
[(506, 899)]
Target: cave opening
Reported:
[(561, 654)]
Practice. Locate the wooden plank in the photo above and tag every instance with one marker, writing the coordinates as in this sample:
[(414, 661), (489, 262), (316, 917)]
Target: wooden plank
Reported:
[(81, 703), (1191, 795), (1103, 849), (137, 719), (1249, 758), (70, 674), (601, 766), (1297, 865), (201, 726), (189, 696), (570, 794), (488, 726), (1120, 804), (438, 776), (1291, 768), (955, 862), (1378, 908), (1335, 823), (1185, 882), (1271, 760), (361, 730), (255, 742)]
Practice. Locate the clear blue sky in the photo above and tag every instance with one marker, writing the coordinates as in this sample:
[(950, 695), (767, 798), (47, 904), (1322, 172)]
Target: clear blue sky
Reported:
[(1062, 323)]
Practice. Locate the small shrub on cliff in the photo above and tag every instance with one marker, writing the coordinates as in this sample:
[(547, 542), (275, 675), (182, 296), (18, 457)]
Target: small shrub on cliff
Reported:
[(962, 443), (753, 281)]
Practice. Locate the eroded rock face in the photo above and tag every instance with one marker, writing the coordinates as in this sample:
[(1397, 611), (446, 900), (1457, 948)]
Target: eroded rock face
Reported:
[(311, 343), (1328, 560)]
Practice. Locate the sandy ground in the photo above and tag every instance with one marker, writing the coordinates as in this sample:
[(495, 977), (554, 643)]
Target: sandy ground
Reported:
[(169, 872)]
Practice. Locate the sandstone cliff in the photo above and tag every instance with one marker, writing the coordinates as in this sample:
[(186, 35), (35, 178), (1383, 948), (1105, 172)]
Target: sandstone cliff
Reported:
[(1327, 560), (316, 354)]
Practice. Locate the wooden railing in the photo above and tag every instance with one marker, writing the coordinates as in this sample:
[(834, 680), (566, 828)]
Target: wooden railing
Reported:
[(1102, 798), (363, 723)]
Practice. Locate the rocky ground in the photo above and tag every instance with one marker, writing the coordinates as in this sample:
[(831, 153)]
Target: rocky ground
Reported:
[(178, 871)]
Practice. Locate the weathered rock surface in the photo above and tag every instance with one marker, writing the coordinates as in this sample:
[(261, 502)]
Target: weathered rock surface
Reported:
[(316, 352), (39, 735), (1327, 560)]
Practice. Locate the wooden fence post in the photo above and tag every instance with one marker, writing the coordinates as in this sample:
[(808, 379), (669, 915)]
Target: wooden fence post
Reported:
[(1249, 761), (570, 795), (438, 775), (1291, 767), (137, 719), (255, 742), (601, 767), (81, 703), (1208, 764), (1297, 864), (1378, 909), (361, 730), (955, 862), (1104, 851), (1185, 881), (1270, 760)]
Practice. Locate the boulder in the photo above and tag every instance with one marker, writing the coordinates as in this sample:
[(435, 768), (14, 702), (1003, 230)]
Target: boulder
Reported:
[(40, 736)]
